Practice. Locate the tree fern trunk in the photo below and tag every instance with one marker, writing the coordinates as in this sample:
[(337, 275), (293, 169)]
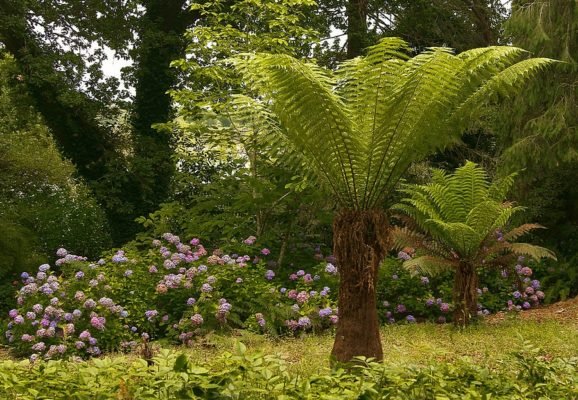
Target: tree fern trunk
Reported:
[(360, 241), (465, 294)]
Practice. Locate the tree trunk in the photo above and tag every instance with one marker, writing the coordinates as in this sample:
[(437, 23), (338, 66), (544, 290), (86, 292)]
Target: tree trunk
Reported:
[(356, 11), (360, 241), (161, 41), (465, 294)]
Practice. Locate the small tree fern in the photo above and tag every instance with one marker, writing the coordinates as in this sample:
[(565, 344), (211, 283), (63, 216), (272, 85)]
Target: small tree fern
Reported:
[(357, 130), (460, 222)]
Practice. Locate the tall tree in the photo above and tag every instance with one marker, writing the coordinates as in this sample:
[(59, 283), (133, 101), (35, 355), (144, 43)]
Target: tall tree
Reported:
[(358, 131), (53, 43), (543, 123), (538, 131)]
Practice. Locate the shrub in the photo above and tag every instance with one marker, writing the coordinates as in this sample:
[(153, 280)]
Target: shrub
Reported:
[(241, 375), (407, 297), (173, 290), (75, 313)]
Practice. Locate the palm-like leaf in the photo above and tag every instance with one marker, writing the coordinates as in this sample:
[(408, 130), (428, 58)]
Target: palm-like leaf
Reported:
[(360, 128), (463, 213)]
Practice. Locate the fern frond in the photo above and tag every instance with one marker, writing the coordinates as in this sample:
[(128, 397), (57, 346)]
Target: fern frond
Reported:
[(521, 230), (536, 252), (429, 265), (315, 118)]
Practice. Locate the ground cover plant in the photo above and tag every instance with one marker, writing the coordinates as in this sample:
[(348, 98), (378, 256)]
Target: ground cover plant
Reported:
[(422, 362)]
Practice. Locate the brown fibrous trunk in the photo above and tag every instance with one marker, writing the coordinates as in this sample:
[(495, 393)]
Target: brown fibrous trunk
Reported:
[(360, 242), (465, 294)]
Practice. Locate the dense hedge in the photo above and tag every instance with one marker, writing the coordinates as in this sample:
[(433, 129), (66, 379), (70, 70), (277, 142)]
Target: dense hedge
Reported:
[(254, 376)]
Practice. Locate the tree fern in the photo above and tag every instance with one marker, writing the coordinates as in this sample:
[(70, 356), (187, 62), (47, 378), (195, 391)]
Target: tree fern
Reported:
[(358, 129), (473, 229)]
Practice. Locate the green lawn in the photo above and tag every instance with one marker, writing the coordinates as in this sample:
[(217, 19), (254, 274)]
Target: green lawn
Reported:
[(485, 344)]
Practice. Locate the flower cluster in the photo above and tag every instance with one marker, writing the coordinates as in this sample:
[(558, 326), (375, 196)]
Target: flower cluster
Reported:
[(58, 316)]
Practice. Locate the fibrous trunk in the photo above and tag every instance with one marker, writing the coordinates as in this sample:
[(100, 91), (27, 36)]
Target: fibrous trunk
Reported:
[(465, 294), (360, 241)]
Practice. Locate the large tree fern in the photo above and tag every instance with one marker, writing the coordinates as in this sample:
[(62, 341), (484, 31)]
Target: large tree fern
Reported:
[(358, 129)]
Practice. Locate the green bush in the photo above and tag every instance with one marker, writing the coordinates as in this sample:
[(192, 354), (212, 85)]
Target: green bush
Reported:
[(530, 375)]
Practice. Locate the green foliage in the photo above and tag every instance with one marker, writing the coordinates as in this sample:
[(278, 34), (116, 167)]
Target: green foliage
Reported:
[(43, 205), (542, 123), (226, 184), (463, 218), (358, 130), (242, 374), (401, 294)]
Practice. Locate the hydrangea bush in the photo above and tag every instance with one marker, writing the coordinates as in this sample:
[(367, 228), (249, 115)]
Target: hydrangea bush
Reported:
[(74, 313), (173, 289), (403, 297)]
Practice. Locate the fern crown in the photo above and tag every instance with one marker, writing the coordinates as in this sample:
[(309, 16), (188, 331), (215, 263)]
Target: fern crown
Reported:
[(359, 128), (462, 217)]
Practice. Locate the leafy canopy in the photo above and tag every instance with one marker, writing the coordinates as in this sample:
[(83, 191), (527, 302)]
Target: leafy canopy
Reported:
[(358, 129), (461, 217)]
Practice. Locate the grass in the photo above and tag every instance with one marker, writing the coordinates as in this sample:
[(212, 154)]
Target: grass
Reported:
[(484, 344)]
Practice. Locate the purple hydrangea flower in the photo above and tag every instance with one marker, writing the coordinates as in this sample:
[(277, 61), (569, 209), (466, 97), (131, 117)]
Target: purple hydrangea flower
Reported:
[(197, 319), (89, 303), (40, 346), (43, 268), (98, 322), (304, 322), (444, 307), (61, 252), (325, 312), (400, 308), (84, 335), (410, 319), (206, 288), (191, 301), (150, 314), (269, 275), (265, 252), (79, 275)]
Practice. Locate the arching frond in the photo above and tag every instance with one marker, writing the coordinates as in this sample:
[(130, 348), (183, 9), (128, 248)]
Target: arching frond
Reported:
[(314, 118), (521, 230), (500, 187), (536, 252), (362, 127), (429, 265)]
